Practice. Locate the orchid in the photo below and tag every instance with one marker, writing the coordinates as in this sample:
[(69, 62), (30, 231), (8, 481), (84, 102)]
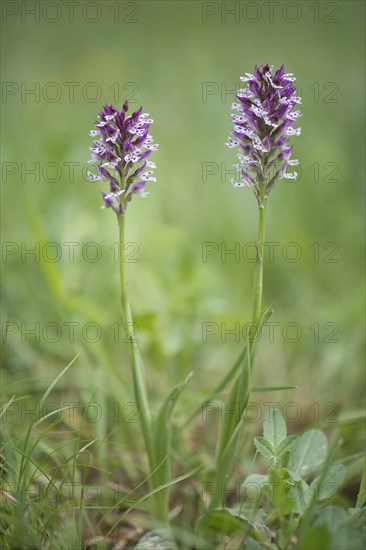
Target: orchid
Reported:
[(121, 149), (266, 114)]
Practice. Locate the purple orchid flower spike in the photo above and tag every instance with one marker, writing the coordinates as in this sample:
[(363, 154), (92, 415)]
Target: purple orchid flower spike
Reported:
[(265, 119), (121, 149)]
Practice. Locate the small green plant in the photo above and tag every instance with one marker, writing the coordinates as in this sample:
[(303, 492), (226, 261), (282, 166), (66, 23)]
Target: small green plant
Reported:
[(264, 120), (294, 502), (122, 153)]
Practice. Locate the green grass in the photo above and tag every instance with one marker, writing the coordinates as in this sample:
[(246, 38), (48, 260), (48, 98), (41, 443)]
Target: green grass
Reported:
[(170, 55)]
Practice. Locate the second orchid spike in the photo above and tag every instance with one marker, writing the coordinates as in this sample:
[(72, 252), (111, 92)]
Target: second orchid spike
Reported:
[(266, 113)]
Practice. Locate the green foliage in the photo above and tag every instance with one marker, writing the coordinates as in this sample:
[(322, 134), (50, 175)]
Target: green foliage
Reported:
[(229, 522), (336, 528), (287, 488), (310, 453), (237, 401), (158, 539), (286, 500), (274, 444), (162, 439), (174, 291)]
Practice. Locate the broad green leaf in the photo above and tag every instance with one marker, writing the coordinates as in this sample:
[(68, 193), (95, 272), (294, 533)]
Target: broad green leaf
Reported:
[(285, 534), (162, 424), (224, 463), (286, 493), (236, 401), (158, 539), (316, 537), (325, 487), (162, 441), (284, 460), (258, 521), (361, 497), (251, 544), (288, 444), (346, 528), (310, 453), (300, 495), (255, 479), (274, 427), (224, 522), (331, 515), (277, 489), (232, 522), (253, 487), (264, 447)]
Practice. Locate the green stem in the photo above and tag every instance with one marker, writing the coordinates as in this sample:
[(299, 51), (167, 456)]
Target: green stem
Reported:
[(258, 275), (240, 391), (138, 372)]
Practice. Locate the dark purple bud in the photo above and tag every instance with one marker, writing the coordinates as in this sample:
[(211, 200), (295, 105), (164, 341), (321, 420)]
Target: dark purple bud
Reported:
[(282, 141), (145, 154), (245, 101), (113, 185), (138, 171), (107, 200), (285, 154), (139, 186), (279, 74), (248, 178), (288, 92), (257, 73), (106, 175), (127, 145), (120, 118), (140, 140), (277, 115), (254, 88), (136, 114)]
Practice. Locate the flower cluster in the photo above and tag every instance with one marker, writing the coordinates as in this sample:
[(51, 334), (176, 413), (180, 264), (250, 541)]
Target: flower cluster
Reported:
[(121, 149), (263, 124)]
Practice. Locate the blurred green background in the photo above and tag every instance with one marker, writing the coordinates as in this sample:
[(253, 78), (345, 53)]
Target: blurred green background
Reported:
[(181, 61)]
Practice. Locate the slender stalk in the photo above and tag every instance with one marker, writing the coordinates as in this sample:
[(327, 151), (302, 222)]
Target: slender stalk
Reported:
[(258, 275), (137, 369), (240, 391), (135, 359)]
